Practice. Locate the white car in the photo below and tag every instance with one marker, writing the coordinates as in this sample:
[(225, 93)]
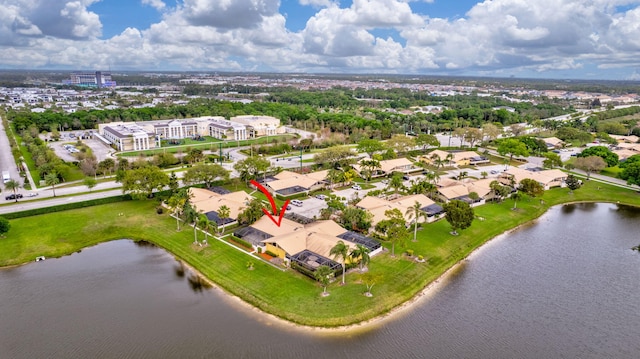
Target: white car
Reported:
[(356, 187), (296, 202)]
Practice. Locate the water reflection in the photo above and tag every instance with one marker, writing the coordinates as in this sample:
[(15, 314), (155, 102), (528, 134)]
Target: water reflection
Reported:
[(179, 269), (197, 284), (144, 244)]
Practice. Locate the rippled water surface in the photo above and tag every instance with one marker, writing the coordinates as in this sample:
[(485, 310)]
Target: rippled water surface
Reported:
[(566, 286)]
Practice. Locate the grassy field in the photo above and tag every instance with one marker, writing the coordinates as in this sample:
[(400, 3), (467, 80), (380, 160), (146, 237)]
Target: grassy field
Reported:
[(288, 294)]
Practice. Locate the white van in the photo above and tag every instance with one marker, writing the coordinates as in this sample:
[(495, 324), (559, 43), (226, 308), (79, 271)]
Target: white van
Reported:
[(296, 202), (5, 176)]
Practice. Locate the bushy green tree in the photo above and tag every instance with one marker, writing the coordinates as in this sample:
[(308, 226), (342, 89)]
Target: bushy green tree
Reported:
[(459, 214), (141, 182), (610, 158)]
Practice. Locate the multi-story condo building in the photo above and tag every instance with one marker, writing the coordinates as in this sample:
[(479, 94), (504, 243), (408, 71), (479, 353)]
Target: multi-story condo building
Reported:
[(96, 79)]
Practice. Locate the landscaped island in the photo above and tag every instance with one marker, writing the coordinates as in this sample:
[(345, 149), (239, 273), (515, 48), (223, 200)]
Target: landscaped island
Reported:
[(288, 295)]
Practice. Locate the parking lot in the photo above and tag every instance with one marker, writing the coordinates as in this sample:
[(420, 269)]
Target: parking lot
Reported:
[(99, 148)]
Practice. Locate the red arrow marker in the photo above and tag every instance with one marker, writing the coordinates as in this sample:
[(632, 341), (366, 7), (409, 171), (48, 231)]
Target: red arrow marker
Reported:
[(273, 204)]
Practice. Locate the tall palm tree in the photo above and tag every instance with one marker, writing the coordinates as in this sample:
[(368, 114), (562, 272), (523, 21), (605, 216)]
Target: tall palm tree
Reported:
[(205, 225), (12, 185), (340, 250), (51, 179), (223, 213), (191, 216), (177, 202), (362, 253), (414, 212)]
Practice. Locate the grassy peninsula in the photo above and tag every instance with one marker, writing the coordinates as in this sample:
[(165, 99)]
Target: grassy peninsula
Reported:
[(288, 295)]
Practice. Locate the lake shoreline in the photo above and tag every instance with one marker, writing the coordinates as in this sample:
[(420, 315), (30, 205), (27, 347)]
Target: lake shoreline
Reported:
[(395, 313)]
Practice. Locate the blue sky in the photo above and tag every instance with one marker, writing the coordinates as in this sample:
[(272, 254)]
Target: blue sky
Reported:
[(582, 39)]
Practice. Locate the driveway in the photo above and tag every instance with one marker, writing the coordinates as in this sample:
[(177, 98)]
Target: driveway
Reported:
[(310, 207)]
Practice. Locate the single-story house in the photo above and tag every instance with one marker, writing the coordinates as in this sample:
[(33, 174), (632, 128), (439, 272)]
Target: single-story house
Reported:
[(306, 245), (462, 190), (287, 183), (553, 142), (378, 206), (387, 167), (547, 178), (458, 158), (209, 202)]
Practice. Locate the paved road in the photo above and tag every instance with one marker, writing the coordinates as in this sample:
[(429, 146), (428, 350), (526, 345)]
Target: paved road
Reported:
[(6, 158)]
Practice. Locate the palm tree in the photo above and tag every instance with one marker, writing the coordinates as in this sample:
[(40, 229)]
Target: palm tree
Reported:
[(322, 274), (205, 225), (396, 182), (177, 202), (12, 185), (223, 213), (361, 252), (340, 250), (191, 216), (414, 212), (51, 179)]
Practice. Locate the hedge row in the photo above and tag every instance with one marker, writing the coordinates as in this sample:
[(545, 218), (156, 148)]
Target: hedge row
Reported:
[(66, 206)]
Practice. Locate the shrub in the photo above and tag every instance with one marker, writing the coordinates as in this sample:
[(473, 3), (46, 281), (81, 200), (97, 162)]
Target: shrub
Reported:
[(269, 253), (241, 242), (259, 249), (410, 252), (159, 210)]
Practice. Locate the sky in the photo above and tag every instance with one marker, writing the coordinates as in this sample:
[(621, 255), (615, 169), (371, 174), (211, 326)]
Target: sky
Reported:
[(565, 39)]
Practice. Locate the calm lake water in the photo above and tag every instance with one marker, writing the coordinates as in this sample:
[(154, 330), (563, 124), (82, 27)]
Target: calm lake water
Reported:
[(566, 286)]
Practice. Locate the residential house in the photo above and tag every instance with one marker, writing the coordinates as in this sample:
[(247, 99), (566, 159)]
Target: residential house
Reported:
[(378, 206), (209, 202), (287, 183), (458, 158), (462, 190), (547, 178), (308, 246), (553, 142)]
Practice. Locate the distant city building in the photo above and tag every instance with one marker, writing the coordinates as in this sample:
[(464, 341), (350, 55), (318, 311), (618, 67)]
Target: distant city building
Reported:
[(96, 79)]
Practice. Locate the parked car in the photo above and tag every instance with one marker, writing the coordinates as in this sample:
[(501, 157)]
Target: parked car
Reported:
[(385, 181), (296, 202), (288, 207), (493, 172), (32, 194), (356, 187), (13, 196), (321, 196), (405, 177)]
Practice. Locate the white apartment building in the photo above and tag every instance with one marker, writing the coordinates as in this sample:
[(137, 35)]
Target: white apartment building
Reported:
[(127, 136), (260, 125)]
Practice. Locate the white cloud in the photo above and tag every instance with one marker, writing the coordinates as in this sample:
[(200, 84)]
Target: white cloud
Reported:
[(496, 36), (228, 14), (156, 4), (56, 19), (317, 3)]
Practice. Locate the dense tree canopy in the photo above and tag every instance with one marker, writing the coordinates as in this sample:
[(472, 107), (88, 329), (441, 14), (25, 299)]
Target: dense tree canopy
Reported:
[(610, 158), (141, 182)]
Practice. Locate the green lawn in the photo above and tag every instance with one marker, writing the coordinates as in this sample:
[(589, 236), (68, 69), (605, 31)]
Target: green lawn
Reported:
[(288, 294)]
